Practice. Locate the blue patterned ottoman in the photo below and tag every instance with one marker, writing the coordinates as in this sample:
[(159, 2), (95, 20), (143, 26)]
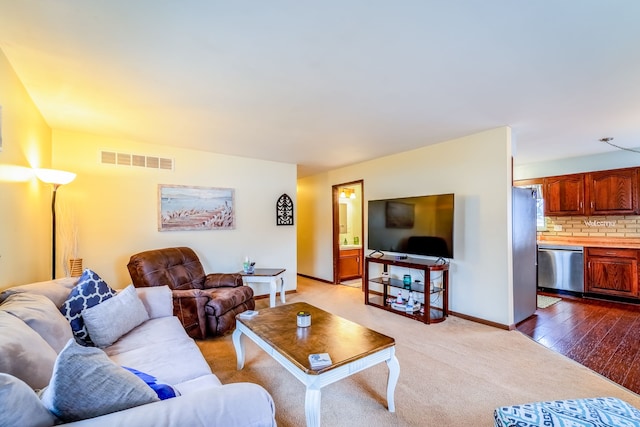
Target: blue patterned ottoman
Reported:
[(596, 412)]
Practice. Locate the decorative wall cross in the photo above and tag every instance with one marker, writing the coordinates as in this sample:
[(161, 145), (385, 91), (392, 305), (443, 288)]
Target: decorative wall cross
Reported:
[(284, 210)]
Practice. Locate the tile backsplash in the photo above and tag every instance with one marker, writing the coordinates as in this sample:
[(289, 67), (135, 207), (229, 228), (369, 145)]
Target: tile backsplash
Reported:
[(600, 226)]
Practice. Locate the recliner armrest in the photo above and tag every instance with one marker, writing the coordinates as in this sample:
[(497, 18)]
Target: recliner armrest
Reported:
[(188, 306), (219, 280)]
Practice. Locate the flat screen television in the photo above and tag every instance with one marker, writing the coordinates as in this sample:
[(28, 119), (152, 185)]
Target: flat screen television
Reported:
[(421, 225)]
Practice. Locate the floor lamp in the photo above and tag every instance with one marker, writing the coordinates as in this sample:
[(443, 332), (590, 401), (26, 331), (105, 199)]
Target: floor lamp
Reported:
[(55, 178)]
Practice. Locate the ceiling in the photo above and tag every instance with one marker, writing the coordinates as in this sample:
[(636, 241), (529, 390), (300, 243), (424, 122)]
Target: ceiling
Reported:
[(331, 83)]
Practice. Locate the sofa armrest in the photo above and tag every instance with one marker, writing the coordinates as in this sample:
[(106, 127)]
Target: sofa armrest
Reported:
[(231, 405), (158, 301), (219, 280), (188, 306)]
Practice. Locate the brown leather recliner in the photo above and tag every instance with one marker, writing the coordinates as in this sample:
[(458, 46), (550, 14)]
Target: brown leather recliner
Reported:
[(205, 304)]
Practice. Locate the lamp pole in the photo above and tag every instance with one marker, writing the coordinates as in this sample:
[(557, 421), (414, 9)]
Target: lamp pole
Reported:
[(55, 178), (53, 231)]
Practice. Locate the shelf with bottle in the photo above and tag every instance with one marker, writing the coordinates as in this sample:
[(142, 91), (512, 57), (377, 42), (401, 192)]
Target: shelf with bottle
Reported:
[(393, 291)]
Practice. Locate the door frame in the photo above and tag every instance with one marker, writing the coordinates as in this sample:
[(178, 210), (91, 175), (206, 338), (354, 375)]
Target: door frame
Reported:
[(335, 201)]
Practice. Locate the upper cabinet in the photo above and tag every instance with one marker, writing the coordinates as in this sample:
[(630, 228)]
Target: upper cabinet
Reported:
[(563, 195), (611, 192)]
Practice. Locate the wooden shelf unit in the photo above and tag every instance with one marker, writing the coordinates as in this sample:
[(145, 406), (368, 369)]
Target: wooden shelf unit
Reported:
[(379, 298)]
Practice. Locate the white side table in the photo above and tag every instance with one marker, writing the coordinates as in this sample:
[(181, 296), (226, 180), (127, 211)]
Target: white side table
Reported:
[(267, 275)]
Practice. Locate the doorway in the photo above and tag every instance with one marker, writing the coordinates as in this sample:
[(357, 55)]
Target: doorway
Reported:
[(348, 231)]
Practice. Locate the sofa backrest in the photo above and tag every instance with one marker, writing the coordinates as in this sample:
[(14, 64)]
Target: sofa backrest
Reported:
[(178, 268)]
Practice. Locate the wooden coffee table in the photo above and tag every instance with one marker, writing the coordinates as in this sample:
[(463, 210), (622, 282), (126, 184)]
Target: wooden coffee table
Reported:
[(352, 348)]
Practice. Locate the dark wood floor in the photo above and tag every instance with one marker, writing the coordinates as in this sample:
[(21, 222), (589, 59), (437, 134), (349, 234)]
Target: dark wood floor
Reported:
[(603, 336)]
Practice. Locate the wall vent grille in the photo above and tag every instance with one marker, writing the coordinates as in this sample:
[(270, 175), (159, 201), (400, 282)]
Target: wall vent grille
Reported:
[(135, 160)]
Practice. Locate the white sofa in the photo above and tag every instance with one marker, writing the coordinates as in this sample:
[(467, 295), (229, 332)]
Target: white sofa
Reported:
[(32, 337)]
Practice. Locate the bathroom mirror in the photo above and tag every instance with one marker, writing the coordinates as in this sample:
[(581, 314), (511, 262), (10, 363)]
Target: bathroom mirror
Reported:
[(343, 218)]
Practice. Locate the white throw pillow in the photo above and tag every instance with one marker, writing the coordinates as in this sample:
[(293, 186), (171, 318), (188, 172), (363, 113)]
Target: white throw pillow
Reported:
[(23, 353), (111, 319), (20, 406), (87, 384), (42, 316)]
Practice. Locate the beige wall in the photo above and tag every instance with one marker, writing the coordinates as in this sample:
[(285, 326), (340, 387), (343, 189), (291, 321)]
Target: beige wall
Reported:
[(115, 207), (477, 169), (25, 212)]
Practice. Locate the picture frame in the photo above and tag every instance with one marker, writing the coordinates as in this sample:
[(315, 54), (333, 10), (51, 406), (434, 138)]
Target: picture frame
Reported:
[(182, 207)]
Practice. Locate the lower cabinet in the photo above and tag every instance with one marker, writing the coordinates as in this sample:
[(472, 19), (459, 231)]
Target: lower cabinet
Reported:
[(612, 271), (350, 264)]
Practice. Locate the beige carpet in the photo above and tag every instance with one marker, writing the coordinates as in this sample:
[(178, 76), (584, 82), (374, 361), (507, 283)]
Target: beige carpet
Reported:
[(355, 283), (451, 374)]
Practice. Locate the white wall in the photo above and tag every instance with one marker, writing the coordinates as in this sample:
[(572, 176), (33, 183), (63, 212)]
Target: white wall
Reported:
[(115, 207), (477, 168)]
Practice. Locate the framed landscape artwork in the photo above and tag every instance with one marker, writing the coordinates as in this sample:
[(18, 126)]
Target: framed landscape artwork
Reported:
[(182, 207)]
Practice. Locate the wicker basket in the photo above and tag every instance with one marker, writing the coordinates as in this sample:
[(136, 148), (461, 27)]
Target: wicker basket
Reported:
[(75, 267)]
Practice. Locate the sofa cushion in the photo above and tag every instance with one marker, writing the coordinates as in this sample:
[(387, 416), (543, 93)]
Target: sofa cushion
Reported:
[(108, 321), (56, 290), (41, 315), (20, 406), (198, 384), (162, 330), (172, 359), (86, 384), (23, 353), (90, 290)]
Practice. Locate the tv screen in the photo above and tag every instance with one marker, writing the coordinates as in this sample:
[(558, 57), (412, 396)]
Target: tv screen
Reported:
[(421, 225)]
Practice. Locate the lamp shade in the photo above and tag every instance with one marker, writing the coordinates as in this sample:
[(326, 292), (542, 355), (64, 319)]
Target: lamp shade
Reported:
[(56, 177)]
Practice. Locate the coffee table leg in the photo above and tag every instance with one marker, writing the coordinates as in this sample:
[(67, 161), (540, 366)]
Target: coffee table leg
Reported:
[(272, 292), (312, 406), (394, 374), (239, 346)]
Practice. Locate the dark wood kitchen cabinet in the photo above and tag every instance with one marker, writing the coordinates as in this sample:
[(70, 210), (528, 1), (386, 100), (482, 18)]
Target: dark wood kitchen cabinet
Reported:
[(612, 192), (611, 271), (563, 195)]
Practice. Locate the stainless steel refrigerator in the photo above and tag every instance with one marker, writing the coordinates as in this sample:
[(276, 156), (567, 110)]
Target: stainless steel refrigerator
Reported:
[(524, 253)]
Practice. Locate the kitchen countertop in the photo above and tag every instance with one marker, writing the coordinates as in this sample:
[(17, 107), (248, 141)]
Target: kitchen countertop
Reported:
[(597, 242)]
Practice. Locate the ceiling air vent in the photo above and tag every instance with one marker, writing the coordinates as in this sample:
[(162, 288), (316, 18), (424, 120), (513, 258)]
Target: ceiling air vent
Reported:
[(135, 160)]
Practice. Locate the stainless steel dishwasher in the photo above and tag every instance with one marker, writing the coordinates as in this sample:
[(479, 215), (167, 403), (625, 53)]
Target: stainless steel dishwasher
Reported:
[(561, 267)]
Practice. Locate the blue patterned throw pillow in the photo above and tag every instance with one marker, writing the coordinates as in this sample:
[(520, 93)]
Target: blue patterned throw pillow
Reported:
[(91, 290)]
